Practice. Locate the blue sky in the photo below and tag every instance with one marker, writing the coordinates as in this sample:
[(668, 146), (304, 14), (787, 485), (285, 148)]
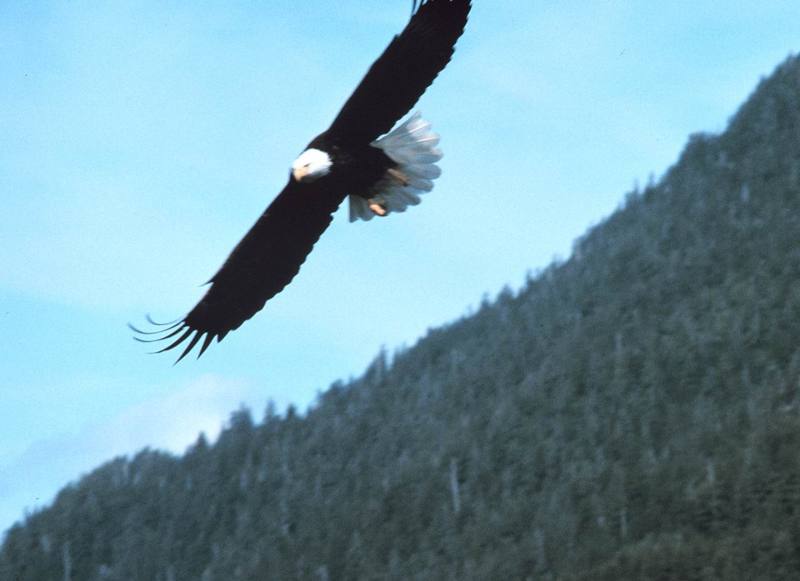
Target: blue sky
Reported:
[(140, 140)]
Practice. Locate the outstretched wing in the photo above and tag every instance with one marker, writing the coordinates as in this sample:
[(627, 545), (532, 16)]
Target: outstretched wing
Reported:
[(396, 81), (264, 261)]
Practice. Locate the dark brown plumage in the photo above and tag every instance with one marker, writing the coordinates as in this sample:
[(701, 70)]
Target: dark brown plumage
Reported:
[(271, 253), (408, 66)]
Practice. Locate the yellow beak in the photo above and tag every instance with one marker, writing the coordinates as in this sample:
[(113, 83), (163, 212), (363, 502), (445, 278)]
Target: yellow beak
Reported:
[(299, 173)]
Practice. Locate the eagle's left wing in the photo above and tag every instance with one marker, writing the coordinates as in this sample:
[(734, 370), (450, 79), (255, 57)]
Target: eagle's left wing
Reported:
[(264, 261)]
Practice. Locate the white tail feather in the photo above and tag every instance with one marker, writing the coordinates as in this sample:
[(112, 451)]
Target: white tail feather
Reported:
[(359, 208), (412, 146)]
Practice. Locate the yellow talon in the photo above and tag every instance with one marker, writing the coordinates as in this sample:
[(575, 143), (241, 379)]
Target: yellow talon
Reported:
[(377, 207)]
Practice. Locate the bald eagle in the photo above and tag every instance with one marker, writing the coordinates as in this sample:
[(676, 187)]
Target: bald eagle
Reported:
[(357, 157)]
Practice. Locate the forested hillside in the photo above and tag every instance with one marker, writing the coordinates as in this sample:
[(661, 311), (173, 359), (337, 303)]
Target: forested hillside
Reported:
[(631, 413)]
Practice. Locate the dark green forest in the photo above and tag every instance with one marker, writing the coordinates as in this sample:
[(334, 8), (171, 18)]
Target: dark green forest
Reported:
[(632, 412)]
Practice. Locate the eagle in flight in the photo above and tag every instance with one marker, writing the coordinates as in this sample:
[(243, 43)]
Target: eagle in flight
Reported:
[(358, 157)]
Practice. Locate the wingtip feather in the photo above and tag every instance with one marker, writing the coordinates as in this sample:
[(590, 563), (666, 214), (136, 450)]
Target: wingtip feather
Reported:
[(157, 324), (156, 340), (184, 331), (190, 346), (140, 332), (177, 341), (209, 338)]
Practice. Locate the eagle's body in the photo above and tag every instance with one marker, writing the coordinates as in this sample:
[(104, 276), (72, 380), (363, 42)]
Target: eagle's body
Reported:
[(355, 169), (381, 171)]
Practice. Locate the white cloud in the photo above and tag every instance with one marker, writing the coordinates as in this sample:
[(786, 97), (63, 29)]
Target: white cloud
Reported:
[(173, 422), (170, 422)]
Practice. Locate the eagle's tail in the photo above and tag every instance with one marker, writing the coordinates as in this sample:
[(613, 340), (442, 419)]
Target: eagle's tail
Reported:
[(412, 146)]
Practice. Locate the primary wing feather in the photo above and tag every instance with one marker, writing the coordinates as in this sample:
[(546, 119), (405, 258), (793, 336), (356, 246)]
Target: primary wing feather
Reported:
[(396, 81), (260, 266)]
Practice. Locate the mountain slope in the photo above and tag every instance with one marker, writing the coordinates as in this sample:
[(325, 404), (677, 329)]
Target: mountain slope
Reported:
[(632, 413)]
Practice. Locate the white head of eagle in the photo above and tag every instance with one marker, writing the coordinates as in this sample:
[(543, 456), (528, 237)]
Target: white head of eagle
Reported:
[(311, 165)]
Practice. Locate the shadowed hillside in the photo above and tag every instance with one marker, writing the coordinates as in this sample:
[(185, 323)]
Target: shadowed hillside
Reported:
[(631, 413)]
